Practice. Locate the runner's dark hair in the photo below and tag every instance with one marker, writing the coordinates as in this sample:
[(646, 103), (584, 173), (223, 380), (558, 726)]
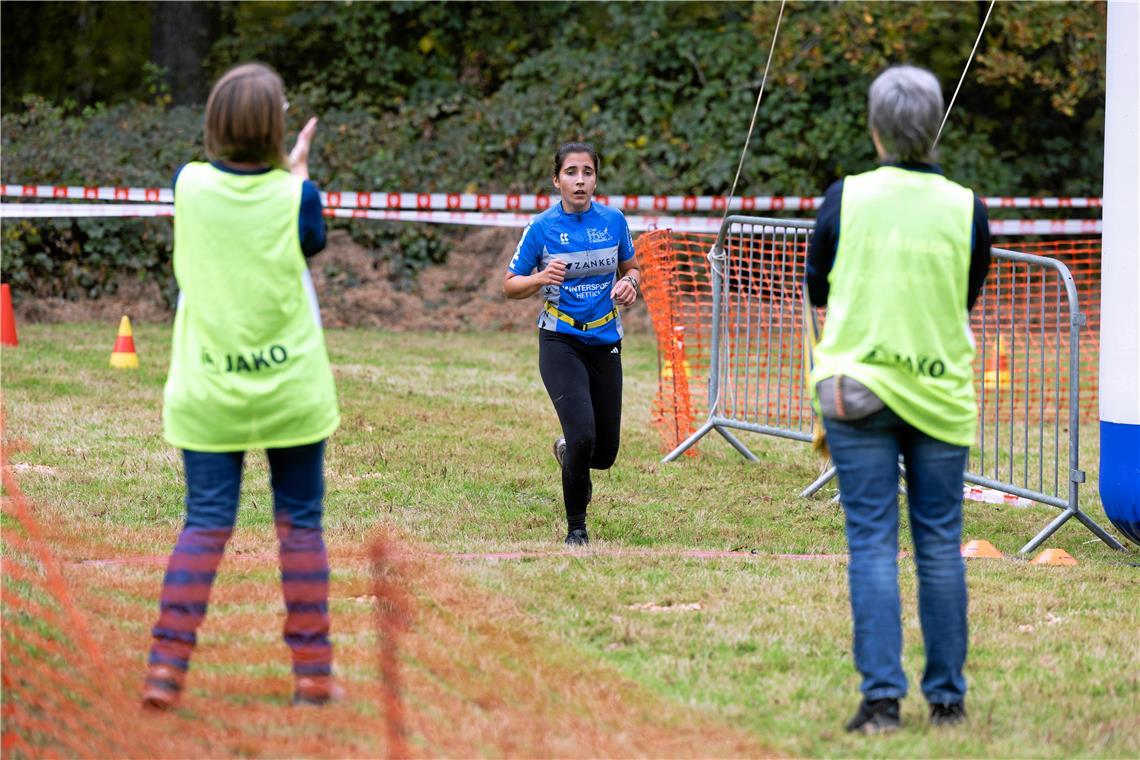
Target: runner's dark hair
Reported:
[(574, 147)]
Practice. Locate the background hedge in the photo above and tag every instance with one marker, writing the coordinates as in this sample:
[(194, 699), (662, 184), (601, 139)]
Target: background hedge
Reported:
[(459, 96)]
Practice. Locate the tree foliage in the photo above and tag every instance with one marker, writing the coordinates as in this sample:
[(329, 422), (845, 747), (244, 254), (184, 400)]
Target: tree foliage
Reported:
[(457, 96)]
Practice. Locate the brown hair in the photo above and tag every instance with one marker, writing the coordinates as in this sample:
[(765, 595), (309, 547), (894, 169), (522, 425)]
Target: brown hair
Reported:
[(245, 117)]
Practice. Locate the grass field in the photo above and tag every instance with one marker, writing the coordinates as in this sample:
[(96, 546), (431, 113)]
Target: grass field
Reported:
[(446, 438)]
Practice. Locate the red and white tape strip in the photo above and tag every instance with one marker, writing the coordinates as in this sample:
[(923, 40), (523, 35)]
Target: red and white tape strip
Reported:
[(80, 210), (507, 201), (62, 192), (637, 222), (476, 218)]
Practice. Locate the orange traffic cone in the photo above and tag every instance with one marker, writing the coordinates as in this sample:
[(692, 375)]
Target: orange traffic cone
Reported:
[(1054, 557), (7, 318), (980, 549), (124, 356)]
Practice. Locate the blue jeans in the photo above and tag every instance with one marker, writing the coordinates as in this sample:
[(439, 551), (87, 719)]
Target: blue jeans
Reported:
[(866, 454), (213, 486)]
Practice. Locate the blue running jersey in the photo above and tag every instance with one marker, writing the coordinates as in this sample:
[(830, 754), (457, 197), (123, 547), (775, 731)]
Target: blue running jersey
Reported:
[(592, 244)]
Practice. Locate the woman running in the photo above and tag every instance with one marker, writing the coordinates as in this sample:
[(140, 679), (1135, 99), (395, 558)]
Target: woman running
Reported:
[(579, 254)]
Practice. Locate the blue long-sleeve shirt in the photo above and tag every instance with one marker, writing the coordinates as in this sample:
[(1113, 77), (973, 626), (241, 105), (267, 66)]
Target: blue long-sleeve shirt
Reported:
[(825, 242)]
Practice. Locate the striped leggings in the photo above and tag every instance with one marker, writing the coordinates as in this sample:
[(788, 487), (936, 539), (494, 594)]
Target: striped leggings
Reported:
[(213, 486)]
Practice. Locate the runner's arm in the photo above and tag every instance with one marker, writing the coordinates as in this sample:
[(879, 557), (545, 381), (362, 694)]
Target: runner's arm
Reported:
[(526, 285)]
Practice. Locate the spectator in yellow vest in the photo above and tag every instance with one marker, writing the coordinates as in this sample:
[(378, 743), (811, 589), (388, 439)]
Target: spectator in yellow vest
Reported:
[(898, 256), (248, 370)]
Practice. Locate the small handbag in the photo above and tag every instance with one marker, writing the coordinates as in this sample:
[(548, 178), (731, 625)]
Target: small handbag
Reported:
[(845, 398)]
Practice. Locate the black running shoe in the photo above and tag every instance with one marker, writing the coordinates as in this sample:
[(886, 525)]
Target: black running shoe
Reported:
[(950, 714), (876, 717), (559, 449), (577, 537)]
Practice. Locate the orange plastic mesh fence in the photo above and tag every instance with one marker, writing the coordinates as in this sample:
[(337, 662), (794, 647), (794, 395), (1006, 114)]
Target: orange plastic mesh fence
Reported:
[(677, 288), (1082, 257), (60, 696), (393, 616), (1021, 331), (433, 664)]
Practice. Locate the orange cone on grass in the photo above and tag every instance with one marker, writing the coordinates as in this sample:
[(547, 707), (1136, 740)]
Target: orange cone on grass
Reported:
[(980, 549), (124, 356), (1054, 557), (7, 318)]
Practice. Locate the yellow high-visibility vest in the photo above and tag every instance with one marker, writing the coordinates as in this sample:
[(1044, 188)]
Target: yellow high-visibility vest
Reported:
[(248, 367), (896, 310)]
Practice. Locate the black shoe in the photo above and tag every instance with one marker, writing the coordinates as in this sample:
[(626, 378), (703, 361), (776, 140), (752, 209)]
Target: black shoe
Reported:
[(559, 449), (577, 537), (950, 714), (877, 717)]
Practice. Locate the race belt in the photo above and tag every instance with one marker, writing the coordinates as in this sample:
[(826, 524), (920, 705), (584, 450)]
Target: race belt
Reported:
[(562, 316)]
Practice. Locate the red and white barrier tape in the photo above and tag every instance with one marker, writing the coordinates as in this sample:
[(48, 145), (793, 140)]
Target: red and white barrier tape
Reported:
[(637, 222), (506, 201), (476, 218), (80, 210)]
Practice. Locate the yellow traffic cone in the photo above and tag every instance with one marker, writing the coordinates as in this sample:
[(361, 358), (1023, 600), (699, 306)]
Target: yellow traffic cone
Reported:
[(123, 356), (667, 369), (997, 374)]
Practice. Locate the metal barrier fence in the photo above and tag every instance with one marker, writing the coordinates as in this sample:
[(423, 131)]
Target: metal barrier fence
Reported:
[(756, 378), (1027, 325)]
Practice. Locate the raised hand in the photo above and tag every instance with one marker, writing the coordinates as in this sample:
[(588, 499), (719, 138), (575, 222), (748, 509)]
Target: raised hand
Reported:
[(299, 156)]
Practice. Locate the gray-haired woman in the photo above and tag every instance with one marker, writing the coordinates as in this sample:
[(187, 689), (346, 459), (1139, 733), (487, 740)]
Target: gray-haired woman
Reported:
[(898, 256)]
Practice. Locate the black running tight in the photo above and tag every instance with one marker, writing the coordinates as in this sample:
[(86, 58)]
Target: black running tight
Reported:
[(584, 382)]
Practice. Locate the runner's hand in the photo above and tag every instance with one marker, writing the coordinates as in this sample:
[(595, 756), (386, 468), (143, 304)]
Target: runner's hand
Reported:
[(554, 274), (624, 293)]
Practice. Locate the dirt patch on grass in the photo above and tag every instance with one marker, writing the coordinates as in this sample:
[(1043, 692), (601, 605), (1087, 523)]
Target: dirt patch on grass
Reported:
[(356, 288), (141, 300)]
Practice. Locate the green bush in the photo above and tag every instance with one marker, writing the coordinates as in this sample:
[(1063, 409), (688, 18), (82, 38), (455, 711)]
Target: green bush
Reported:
[(142, 145), (447, 97), (85, 258)]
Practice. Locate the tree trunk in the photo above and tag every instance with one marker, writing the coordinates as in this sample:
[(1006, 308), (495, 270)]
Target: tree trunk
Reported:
[(181, 36)]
